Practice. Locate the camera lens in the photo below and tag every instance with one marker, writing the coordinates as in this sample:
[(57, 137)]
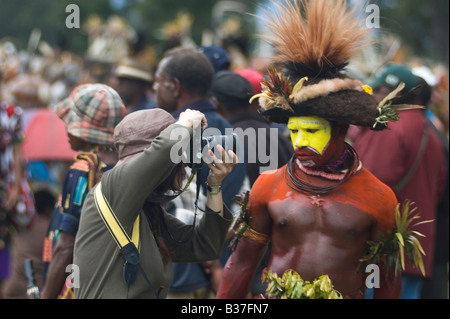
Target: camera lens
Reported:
[(228, 142)]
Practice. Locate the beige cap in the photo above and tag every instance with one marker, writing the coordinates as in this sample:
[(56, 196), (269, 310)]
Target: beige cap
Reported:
[(138, 130)]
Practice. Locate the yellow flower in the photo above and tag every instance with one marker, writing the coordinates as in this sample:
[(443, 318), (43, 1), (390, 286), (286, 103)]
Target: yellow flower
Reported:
[(368, 89)]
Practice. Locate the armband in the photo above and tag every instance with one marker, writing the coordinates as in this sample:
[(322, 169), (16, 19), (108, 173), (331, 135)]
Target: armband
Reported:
[(255, 236), (402, 240)]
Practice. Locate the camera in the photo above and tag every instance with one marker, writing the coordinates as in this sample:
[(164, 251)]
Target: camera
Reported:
[(228, 142)]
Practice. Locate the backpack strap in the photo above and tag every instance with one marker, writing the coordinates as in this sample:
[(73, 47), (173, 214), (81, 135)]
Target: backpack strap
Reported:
[(423, 144), (129, 247)]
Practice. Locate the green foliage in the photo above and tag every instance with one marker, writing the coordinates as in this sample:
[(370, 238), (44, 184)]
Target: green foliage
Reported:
[(291, 286), (19, 17), (390, 250), (420, 24)]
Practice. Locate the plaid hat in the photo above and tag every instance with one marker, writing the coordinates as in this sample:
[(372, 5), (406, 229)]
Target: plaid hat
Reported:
[(218, 57), (138, 130), (231, 89), (392, 75), (91, 112)]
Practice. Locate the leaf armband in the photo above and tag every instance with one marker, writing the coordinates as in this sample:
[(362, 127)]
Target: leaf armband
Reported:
[(403, 240)]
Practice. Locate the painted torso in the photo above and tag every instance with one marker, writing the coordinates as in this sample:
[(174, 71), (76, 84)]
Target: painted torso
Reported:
[(322, 234)]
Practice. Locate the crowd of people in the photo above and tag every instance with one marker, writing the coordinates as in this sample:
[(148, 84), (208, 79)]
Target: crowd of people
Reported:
[(324, 156)]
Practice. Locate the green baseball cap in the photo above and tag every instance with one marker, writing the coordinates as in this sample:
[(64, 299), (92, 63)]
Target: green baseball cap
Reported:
[(392, 75)]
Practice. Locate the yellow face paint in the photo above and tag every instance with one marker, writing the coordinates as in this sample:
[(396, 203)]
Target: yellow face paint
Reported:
[(312, 132)]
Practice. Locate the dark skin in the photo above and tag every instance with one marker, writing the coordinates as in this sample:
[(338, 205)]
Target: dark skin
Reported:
[(170, 94), (63, 252), (315, 234), (131, 91)]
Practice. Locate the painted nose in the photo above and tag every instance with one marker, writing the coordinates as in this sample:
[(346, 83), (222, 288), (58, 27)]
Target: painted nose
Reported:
[(301, 142)]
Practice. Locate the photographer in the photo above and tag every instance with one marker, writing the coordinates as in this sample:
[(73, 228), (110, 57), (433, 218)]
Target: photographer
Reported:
[(183, 80), (145, 167)]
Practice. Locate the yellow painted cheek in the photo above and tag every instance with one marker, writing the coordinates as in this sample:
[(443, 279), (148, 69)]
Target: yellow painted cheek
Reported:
[(319, 142), (313, 132), (316, 141)]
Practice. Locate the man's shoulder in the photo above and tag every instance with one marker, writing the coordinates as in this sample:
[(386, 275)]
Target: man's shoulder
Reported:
[(271, 176), (367, 178)]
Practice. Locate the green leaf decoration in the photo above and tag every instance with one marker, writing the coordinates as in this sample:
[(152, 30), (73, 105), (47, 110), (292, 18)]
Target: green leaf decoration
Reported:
[(402, 241), (291, 286)]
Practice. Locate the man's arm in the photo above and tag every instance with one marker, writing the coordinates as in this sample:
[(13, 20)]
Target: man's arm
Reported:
[(390, 285), (62, 256), (239, 269), (390, 281)]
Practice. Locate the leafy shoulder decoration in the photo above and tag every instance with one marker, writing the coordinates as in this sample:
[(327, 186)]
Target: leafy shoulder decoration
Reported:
[(388, 107), (403, 240)]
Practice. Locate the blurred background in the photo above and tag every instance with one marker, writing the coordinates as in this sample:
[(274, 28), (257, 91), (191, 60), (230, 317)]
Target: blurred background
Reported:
[(421, 26), (42, 58)]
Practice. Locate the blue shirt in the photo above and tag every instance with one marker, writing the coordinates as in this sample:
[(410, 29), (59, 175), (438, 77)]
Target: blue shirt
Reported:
[(66, 214)]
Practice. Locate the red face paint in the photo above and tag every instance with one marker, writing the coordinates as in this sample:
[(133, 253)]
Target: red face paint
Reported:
[(332, 151)]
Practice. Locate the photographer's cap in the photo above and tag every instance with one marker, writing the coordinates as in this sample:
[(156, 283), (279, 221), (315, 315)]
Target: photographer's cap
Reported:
[(137, 131)]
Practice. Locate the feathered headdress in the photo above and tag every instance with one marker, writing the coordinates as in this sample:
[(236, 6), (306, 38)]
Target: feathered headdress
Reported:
[(314, 41)]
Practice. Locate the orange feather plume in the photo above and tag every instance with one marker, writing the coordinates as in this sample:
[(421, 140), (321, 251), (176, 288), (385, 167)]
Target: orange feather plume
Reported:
[(318, 34)]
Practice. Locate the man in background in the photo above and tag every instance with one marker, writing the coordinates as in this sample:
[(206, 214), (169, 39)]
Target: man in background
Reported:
[(134, 85)]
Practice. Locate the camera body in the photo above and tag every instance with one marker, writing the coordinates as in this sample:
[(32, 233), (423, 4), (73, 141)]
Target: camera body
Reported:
[(228, 142), (198, 150)]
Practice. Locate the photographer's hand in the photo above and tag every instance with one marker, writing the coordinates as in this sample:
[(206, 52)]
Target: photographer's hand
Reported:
[(192, 119), (219, 168)]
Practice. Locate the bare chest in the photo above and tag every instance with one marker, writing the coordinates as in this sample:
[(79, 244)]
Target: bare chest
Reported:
[(301, 215)]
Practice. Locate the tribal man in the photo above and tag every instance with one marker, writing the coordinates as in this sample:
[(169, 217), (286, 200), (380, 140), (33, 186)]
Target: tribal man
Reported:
[(320, 210)]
